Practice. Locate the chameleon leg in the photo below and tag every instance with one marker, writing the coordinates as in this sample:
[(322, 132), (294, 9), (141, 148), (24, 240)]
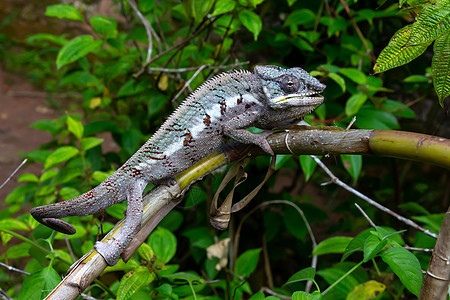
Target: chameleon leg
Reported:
[(111, 252), (234, 129)]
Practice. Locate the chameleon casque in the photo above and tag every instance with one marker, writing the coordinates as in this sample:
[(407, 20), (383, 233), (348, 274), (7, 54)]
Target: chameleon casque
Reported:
[(222, 108)]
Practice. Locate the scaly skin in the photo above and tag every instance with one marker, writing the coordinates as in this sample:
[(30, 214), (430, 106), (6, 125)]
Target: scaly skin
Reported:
[(222, 108)]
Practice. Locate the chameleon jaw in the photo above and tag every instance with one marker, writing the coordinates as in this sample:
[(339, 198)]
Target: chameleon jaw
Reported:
[(298, 100)]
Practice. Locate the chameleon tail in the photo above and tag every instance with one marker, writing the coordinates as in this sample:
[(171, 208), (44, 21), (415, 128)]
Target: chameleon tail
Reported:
[(88, 203)]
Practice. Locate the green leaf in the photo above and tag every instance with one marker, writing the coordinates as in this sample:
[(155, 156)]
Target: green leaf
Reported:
[(406, 266), (64, 11), (372, 246), (75, 126), (39, 284), (338, 79), (440, 66), (308, 165), (366, 291), (432, 21), (251, 21), (370, 118), (146, 252), (354, 74), (353, 164), (13, 224), (336, 244), (61, 154), (200, 9), (357, 244), (223, 6), (75, 49), (354, 103), (300, 17), (133, 281), (300, 295), (302, 275), (90, 142), (399, 52), (331, 275), (258, 296), (281, 159), (28, 177), (246, 262), (104, 26), (163, 243)]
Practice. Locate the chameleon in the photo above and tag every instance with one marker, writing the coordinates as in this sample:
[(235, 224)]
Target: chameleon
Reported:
[(222, 108)]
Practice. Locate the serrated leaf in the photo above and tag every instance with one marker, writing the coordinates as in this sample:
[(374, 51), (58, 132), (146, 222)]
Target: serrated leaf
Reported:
[(399, 52), (133, 281), (440, 66), (64, 11), (251, 21), (61, 154), (406, 266), (430, 23), (246, 262), (308, 165), (75, 49), (354, 103), (75, 126), (336, 244), (104, 26)]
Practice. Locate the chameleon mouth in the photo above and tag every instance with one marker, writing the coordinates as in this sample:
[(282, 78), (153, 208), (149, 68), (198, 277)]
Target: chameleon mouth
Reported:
[(300, 100)]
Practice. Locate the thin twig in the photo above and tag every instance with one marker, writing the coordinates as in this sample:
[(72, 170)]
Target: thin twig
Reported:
[(358, 31), (337, 181), (188, 69), (13, 173), (189, 81), (266, 290), (365, 215), (149, 30), (417, 249), (299, 210), (14, 269)]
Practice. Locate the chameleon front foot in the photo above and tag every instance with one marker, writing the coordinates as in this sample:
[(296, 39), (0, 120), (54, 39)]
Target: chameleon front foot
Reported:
[(109, 252)]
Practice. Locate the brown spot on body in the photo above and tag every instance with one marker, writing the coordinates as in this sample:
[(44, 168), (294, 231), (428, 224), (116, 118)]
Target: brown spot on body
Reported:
[(240, 99), (420, 142), (207, 120)]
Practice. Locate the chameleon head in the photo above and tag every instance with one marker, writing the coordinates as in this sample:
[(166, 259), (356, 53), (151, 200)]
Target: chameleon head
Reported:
[(286, 88)]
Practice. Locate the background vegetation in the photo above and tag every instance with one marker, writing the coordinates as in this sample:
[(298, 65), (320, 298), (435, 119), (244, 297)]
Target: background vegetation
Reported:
[(121, 77)]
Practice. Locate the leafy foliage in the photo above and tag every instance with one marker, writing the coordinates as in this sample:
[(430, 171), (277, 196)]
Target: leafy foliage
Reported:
[(432, 24), (117, 92)]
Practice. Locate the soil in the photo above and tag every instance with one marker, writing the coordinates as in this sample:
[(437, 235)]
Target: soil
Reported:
[(20, 106)]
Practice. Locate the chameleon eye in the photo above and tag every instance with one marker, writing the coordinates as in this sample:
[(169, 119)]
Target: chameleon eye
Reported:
[(290, 83)]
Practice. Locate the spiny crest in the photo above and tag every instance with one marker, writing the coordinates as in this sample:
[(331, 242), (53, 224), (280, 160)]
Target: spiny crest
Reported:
[(202, 90)]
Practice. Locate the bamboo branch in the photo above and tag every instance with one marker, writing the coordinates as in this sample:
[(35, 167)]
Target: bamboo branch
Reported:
[(298, 140)]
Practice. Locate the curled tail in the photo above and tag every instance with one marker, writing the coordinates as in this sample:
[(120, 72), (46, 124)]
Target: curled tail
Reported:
[(91, 202)]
